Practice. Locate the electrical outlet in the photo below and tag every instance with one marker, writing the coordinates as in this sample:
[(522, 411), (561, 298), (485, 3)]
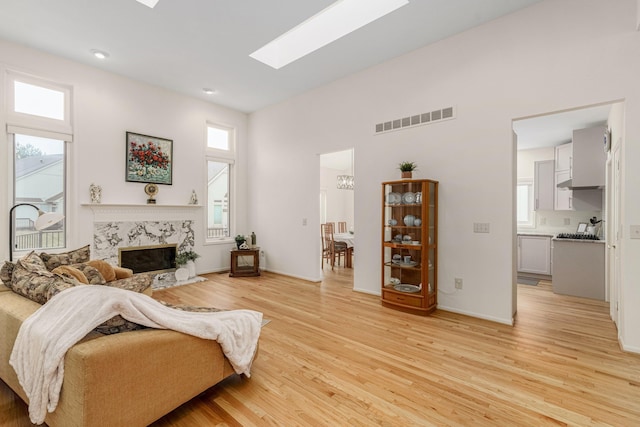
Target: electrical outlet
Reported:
[(635, 232), (458, 282), (480, 227), (304, 221), (567, 221)]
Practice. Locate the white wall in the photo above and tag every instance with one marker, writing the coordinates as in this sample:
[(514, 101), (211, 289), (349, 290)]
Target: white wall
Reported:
[(555, 55), (105, 106)]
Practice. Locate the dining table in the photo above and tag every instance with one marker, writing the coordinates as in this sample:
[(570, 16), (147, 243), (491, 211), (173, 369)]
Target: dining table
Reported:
[(349, 239)]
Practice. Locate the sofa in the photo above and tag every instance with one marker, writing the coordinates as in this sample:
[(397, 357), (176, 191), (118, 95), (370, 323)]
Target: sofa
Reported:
[(128, 377)]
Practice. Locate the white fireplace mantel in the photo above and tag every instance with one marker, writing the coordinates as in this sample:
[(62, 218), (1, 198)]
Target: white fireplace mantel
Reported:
[(105, 212)]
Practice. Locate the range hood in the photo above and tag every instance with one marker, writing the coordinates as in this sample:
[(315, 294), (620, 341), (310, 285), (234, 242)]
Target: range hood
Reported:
[(569, 184)]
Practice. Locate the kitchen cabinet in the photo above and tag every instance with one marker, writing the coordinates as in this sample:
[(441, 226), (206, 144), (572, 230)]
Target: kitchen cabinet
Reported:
[(544, 185), (410, 245), (534, 254), (589, 158), (563, 197), (563, 156), (578, 268), (583, 158)]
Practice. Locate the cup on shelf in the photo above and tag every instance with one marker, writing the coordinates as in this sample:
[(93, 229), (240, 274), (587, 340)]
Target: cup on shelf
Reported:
[(407, 259)]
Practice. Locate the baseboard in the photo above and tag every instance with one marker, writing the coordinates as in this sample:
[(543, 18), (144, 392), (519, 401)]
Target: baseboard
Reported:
[(308, 279), (477, 315), (627, 348), (368, 291)]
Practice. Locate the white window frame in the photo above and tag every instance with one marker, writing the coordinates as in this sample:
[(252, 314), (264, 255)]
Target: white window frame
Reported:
[(38, 122), (29, 124), (532, 213), (222, 156)]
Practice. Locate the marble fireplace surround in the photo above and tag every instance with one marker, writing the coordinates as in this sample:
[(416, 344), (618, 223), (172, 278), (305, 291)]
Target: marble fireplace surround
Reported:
[(121, 226)]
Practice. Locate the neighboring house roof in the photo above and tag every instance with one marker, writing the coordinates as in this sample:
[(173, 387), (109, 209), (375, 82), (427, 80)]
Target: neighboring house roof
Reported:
[(32, 164)]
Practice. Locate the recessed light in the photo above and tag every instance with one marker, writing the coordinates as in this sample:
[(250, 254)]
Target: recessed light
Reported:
[(100, 54), (209, 91), (330, 24)]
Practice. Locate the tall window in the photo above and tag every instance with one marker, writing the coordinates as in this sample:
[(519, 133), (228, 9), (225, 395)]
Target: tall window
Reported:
[(39, 125), (524, 207), (220, 160)]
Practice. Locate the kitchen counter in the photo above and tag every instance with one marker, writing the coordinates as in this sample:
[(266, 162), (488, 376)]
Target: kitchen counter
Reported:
[(555, 239), (535, 233), (578, 268)]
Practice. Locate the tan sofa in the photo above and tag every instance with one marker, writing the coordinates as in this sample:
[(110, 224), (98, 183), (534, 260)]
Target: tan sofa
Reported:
[(126, 379)]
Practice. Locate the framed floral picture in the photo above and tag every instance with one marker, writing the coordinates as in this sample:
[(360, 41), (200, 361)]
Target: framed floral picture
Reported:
[(149, 159)]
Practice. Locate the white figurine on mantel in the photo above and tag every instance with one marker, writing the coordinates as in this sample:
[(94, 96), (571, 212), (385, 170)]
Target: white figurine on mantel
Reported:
[(95, 191), (194, 198)]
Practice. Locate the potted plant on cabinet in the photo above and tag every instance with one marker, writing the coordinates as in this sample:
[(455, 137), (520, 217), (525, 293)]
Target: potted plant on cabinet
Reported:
[(240, 239), (407, 168)]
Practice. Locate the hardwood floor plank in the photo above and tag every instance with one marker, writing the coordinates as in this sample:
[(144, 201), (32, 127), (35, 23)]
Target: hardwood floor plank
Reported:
[(332, 356)]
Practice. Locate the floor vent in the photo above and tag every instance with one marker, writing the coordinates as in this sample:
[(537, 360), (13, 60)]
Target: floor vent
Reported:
[(417, 120)]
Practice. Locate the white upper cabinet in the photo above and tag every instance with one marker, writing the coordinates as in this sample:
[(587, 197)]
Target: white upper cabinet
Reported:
[(564, 155), (589, 157), (544, 185)]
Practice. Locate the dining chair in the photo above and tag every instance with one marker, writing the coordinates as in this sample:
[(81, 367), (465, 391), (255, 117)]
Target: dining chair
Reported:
[(342, 227), (330, 248)]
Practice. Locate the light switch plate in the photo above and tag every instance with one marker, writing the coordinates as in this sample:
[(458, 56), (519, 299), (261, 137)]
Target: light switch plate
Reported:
[(480, 227), (635, 231)]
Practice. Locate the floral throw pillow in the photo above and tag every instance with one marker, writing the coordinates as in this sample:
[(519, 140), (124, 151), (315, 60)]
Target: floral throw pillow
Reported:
[(6, 272), (33, 261), (76, 256), (38, 285)]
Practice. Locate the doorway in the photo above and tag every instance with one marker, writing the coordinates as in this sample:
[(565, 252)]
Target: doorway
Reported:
[(537, 141), (337, 185)]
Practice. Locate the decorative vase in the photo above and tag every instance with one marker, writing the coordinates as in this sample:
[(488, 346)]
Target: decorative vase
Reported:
[(239, 243), (191, 266), (182, 274), (406, 174)]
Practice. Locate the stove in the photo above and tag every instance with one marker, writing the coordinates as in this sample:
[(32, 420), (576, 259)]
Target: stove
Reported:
[(577, 236)]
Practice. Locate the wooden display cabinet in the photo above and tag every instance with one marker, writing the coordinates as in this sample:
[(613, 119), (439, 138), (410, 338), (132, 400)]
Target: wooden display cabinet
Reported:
[(410, 245)]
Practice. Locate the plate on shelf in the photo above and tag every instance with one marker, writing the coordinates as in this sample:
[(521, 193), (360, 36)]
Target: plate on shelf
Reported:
[(394, 198), (408, 220), (404, 264), (407, 288), (408, 198)]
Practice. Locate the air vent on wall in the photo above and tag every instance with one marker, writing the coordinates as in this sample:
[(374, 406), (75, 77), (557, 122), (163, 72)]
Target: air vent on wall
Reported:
[(435, 116)]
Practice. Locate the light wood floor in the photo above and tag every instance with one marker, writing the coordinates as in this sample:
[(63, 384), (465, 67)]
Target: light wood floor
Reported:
[(331, 356)]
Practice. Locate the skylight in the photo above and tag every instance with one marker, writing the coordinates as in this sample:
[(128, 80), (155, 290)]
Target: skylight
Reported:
[(332, 23), (149, 3)]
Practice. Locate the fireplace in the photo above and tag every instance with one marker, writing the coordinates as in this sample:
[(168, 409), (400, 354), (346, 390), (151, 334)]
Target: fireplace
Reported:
[(154, 259)]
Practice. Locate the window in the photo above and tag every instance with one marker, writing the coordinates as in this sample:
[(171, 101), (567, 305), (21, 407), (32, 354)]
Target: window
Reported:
[(220, 160), (38, 101), (524, 197), (36, 124), (38, 104), (39, 179)]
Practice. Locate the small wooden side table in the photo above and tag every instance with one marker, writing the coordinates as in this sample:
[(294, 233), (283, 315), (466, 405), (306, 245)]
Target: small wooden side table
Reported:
[(245, 270)]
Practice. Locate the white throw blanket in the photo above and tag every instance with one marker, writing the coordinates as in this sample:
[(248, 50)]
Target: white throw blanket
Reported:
[(44, 337)]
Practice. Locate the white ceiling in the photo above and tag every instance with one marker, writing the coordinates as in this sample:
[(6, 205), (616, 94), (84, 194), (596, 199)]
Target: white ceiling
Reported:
[(188, 45), (554, 129)]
